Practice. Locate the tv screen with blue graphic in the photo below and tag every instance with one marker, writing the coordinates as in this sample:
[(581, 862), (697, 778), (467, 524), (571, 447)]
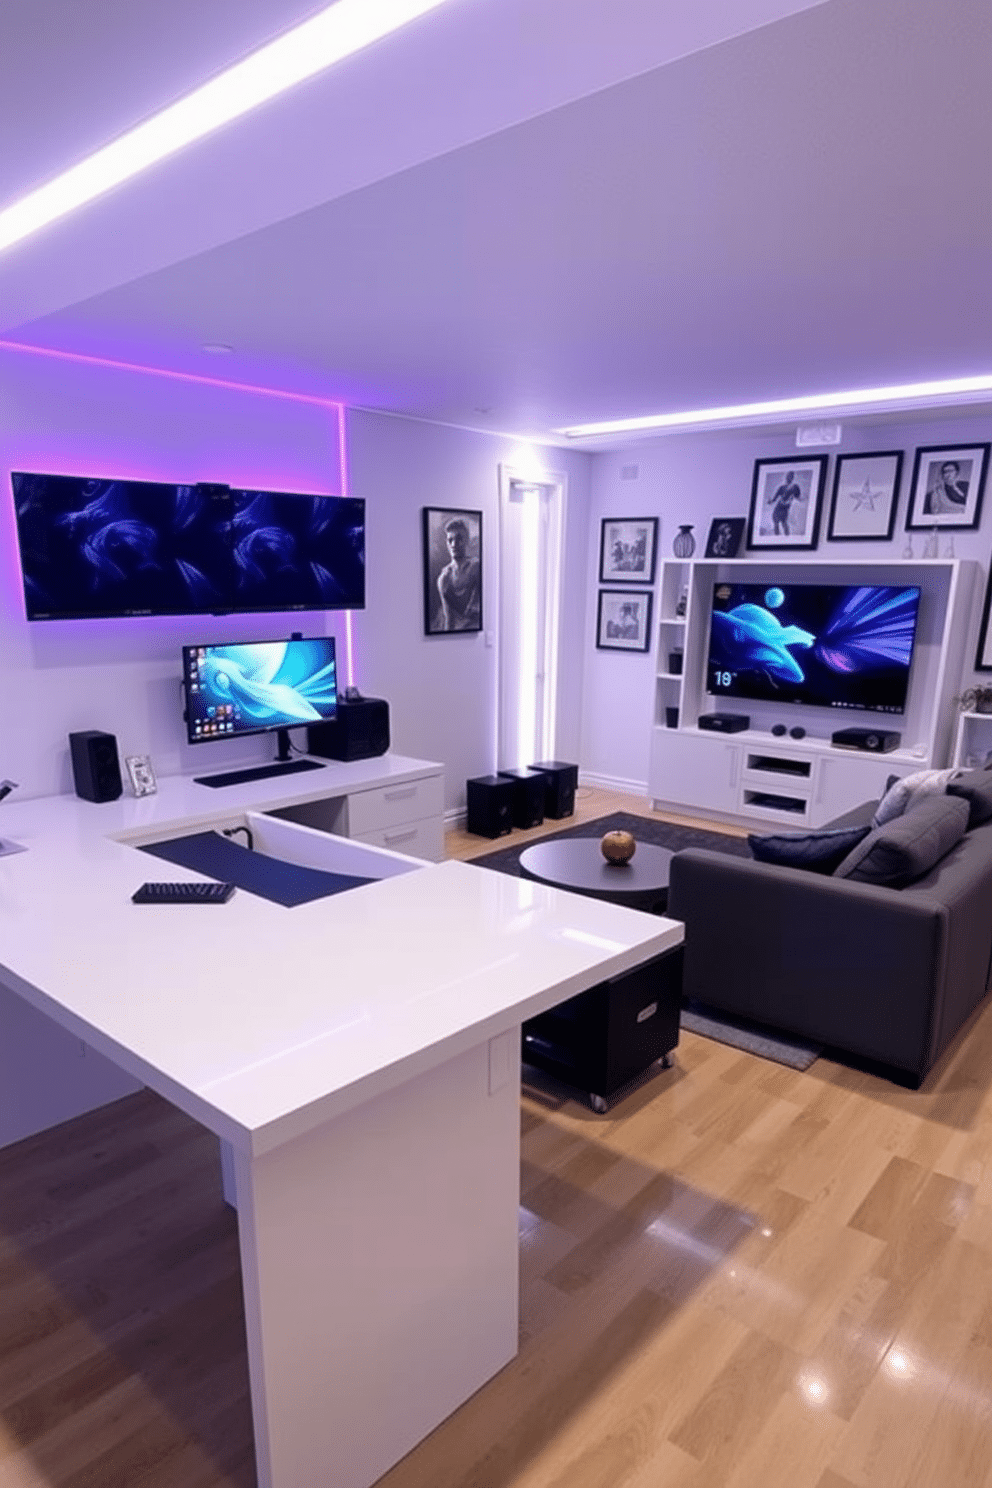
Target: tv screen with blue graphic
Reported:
[(93, 548), (826, 645), (253, 687)]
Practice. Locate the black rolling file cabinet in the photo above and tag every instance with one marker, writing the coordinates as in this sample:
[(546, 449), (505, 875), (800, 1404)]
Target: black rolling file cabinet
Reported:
[(560, 783), (528, 796), (602, 1039), (490, 805)]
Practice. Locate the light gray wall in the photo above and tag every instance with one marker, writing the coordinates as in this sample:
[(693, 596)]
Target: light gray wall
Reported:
[(68, 416), (58, 415), (443, 689), (694, 478)]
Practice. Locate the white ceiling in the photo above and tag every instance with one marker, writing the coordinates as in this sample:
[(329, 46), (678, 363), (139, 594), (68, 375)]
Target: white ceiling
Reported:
[(521, 214)]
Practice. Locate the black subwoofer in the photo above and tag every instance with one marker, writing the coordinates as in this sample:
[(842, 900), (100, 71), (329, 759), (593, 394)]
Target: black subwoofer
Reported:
[(360, 731), (96, 769)]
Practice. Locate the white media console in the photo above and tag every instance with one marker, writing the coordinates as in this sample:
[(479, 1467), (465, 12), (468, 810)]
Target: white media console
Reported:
[(758, 777)]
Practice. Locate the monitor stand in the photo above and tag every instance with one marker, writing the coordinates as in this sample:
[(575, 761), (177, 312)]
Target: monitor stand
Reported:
[(283, 764)]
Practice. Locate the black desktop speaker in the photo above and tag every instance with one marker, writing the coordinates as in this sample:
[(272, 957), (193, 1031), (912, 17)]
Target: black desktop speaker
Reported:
[(96, 770), (360, 731), (876, 741)]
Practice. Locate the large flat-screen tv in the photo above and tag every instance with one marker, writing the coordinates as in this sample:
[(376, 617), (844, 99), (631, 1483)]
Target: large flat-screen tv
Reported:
[(826, 645), (105, 548), (258, 687)]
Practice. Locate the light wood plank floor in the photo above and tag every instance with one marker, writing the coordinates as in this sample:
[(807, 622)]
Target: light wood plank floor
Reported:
[(742, 1277)]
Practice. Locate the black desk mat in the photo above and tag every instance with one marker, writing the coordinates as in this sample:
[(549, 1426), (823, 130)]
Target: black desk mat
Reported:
[(218, 857)]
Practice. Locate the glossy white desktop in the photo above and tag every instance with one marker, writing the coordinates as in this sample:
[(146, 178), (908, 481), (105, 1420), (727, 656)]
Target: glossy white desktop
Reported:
[(359, 1057)]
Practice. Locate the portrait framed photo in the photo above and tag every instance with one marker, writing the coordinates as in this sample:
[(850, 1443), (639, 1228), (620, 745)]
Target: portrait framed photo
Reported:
[(624, 620), (785, 502), (726, 536), (141, 774), (627, 550), (866, 490), (452, 551), (947, 486)]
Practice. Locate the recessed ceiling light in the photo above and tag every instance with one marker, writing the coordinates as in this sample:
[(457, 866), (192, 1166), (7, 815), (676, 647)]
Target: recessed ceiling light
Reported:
[(956, 390), (217, 348), (326, 38)]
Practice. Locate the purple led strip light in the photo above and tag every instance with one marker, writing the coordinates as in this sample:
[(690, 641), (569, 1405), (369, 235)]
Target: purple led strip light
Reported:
[(237, 387)]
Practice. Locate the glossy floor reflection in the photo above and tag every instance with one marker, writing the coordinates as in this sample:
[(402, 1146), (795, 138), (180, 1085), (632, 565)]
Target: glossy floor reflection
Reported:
[(747, 1277)]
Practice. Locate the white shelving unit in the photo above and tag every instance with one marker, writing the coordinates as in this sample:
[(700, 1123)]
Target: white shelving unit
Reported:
[(756, 776), (670, 642), (973, 741)]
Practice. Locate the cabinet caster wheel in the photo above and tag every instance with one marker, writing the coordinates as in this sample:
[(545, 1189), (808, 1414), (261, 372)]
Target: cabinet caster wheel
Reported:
[(598, 1104)]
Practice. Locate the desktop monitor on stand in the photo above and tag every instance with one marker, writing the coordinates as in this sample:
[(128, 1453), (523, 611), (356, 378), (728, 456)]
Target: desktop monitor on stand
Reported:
[(259, 687)]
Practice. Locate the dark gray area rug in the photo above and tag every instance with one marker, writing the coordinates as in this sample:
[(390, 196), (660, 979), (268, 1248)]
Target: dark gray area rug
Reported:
[(642, 828), (767, 1043)]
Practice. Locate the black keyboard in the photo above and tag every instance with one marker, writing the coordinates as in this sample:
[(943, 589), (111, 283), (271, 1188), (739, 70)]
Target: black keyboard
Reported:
[(183, 893), (258, 772)]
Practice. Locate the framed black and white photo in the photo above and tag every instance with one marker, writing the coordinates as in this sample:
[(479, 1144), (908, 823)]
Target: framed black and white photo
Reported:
[(866, 490), (141, 774), (452, 541), (947, 485), (726, 536), (785, 502), (624, 622), (627, 547)]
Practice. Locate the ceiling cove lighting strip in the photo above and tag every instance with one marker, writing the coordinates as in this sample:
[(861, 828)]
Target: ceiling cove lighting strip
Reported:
[(318, 43), (335, 409), (955, 390)]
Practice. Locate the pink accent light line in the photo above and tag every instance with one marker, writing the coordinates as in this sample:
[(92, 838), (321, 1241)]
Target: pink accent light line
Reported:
[(198, 377), (338, 408), (344, 485)]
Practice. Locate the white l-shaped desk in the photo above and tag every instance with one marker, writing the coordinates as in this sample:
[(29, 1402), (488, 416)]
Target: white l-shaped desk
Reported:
[(358, 1055)]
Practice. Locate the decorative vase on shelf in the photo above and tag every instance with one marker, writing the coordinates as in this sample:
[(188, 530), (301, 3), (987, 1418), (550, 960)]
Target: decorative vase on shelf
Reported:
[(684, 544)]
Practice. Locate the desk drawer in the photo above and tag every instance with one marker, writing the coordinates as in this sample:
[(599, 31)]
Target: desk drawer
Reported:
[(420, 839), (392, 805)]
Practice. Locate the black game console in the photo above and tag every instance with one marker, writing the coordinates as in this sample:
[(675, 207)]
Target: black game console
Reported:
[(876, 741), (725, 723)]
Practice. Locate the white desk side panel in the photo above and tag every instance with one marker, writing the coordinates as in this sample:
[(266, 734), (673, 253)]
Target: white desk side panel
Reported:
[(380, 1265)]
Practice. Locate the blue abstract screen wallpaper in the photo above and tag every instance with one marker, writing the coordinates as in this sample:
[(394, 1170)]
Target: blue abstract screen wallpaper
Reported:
[(103, 548), (828, 645), (252, 687)]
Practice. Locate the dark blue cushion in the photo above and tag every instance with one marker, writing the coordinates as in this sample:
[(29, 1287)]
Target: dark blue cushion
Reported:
[(817, 852)]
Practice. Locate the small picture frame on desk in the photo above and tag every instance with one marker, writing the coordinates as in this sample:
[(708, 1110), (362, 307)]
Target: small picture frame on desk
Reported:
[(142, 776)]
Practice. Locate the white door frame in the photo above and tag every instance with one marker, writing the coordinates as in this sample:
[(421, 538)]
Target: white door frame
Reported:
[(531, 553)]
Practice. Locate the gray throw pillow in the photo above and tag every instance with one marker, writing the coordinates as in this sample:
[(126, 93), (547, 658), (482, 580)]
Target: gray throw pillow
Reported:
[(975, 787), (902, 793), (817, 852), (905, 849)]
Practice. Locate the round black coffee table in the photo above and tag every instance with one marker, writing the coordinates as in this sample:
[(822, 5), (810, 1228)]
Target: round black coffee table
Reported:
[(577, 864)]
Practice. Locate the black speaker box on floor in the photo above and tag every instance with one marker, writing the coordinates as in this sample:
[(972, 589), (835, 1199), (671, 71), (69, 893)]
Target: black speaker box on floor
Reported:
[(528, 796), (490, 805), (96, 769), (559, 790), (360, 731)]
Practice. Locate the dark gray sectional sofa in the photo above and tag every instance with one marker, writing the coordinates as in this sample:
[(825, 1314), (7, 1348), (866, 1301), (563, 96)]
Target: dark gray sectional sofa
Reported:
[(888, 972)]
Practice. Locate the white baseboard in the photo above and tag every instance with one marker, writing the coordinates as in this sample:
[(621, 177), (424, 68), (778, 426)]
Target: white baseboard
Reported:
[(610, 782)]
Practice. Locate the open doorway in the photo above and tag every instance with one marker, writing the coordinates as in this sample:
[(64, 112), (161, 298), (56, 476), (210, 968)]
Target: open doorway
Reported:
[(532, 524)]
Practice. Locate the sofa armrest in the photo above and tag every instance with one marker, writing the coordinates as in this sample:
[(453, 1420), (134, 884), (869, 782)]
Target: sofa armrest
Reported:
[(851, 965)]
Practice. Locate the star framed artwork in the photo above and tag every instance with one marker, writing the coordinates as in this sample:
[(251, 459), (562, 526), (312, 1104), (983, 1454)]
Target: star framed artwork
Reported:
[(866, 491)]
